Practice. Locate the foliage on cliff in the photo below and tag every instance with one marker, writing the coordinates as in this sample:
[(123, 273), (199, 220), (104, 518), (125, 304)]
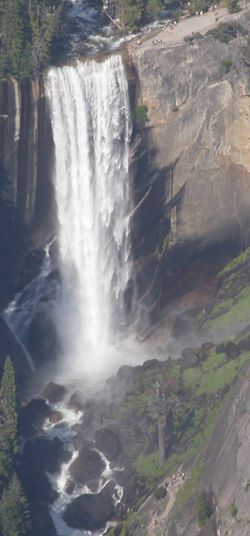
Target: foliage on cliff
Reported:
[(135, 13), (27, 30), (14, 512)]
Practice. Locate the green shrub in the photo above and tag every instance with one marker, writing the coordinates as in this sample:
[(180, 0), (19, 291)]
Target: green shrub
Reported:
[(234, 510), (204, 511), (141, 113), (247, 486), (226, 64), (160, 493), (191, 38), (226, 31)]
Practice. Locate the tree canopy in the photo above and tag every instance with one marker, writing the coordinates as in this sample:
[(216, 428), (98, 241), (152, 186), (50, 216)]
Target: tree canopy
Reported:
[(134, 13), (14, 510), (27, 29)]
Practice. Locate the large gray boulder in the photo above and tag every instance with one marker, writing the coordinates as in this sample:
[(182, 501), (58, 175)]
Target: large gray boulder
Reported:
[(89, 512), (87, 466), (108, 443)]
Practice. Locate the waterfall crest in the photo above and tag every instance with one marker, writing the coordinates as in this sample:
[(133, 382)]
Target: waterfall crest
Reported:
[(91, 124)]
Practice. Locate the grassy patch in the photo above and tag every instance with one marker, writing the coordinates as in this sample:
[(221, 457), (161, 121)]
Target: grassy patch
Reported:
[(239, 312), (222, 307), (236, 262), (215, 373)]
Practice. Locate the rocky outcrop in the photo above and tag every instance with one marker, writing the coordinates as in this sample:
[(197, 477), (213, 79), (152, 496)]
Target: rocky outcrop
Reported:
[(191, 160), (199, 125), (226, 473), (26, 191)]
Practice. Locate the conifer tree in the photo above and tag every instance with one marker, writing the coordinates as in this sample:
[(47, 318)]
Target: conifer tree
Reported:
[(14, 510), (8, 422)]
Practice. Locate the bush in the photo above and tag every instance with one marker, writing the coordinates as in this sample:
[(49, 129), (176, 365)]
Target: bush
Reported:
[(141, 113), (191, 38), (226, 31), (204, 510), (198, 6), (226, 64), (234, 510), (160, 493)]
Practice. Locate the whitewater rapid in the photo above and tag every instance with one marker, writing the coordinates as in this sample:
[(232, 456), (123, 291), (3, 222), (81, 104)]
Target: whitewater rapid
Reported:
[(90, 115)]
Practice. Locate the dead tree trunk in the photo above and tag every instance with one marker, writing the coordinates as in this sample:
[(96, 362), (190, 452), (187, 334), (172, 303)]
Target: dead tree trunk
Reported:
[(161, 444)]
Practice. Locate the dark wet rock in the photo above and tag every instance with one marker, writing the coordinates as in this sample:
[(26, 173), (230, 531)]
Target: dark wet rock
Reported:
[(109, 489), (220, 348), (207, 345), (70, 486), (54, 392), (32, 417), (244, 345), (89, 512), (108, 443), (150, 364), (121, 510), (81, 443), (125, 373), (41, 520), (232, 350), (93, 485), (76, 400), (42, 337), (130, 392), (190, 356), (87, 466), (46, 454), (36, 484), (55, 417)]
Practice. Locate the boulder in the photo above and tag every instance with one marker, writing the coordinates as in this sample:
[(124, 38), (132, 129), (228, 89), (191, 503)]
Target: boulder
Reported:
[(87, 466), (89, 512), (244, 345), (232, 350), (190, 356), (151, 364), (41, 520), (108, 443), (70, 486), (45, 454), (32, 416), (76, 400), (125, 372), (54, 392), (36, 484), (220, 348), (56, 416)]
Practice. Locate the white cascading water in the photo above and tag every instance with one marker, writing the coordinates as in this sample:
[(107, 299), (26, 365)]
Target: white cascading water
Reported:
[(91, 124)]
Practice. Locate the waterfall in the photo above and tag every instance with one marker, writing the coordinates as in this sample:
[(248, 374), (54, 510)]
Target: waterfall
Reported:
[(90, 116)]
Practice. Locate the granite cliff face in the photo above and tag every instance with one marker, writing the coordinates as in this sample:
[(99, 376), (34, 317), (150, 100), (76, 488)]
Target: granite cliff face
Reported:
[(197, 141), (26, 143), (26, 149)]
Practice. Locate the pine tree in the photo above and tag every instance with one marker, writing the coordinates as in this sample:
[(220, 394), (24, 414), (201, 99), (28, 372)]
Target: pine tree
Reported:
[(14, 510), (8, 422), (15, 38)]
